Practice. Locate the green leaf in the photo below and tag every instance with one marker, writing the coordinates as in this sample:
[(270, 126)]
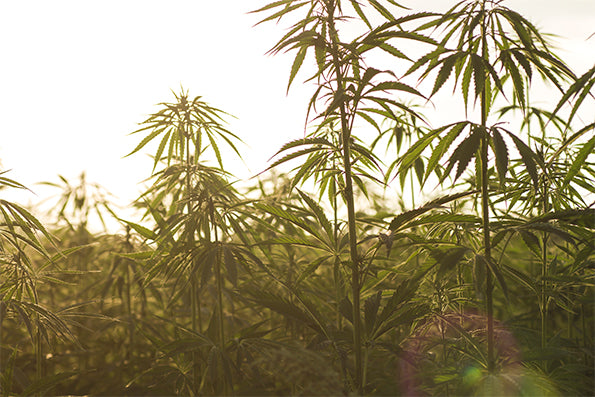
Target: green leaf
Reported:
[(479, 74), (448, 259), (297, 64), (531, 241), (419, 169), (525, 279), (466, 82), (447, 64), (501, 153), (360, 12), (143, 231), (288, 9), (528, 157), (146, 139), (231, 265), (371, 306), (463, 154), (588, 148), (319, 214), (346, 308), (443, 145), (402, 220), (517, 81), (311, 268)]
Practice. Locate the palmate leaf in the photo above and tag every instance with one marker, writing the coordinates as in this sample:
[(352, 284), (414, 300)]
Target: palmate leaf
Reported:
[(479, 74), (528, 157), (439, 218), (9, 182), (294, 219), (443, 145), (315, 165), (463, 154), (523, 61), (408, 159), (522, 277), (404, 315), (17, 218), (419, 170), (402, 221), (283, 306), (531, 241), (143, 231), (312, 267), (550, 229), (304, 142)]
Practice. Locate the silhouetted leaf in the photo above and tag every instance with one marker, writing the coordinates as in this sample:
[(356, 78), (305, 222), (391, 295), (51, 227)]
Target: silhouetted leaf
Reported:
[(501, 153)]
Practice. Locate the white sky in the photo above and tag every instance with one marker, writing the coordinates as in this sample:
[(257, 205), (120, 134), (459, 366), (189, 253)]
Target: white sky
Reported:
[(77, 76)]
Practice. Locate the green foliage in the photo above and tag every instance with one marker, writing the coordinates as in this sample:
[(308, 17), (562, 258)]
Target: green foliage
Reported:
[(330, 280)]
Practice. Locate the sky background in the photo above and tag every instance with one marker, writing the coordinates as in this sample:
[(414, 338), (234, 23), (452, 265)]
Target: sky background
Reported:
[(76, 77)]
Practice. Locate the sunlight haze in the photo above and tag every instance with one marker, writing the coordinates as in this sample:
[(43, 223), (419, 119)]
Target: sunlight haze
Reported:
[(77, 78)]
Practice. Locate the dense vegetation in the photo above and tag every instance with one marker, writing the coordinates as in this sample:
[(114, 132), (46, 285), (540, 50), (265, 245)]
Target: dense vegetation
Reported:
[(320, 280)]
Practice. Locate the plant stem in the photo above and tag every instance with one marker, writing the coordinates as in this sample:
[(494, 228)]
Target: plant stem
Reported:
[(485, 206), (544, 272), (194, 287), (349, 201)]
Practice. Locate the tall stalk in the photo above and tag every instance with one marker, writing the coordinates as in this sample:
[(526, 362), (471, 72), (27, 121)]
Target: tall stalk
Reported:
[(544, 274), (485, 203), (194, 282), (349, 201)]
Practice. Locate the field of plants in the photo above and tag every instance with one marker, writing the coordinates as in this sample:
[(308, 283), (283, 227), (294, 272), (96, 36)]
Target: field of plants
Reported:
[(315, 278)]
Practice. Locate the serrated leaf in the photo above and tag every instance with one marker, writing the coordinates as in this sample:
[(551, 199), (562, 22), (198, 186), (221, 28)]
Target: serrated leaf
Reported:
[(588, 148), (143, 231), (528, 157), (297, 64), (418, 165), (466, 83), (346, 309), (463, 154), (501, 153), (371, 306), (479, 74), (319, 213), (231, 265), (442, 146), (448, 259), (531, 241), (447, 65)]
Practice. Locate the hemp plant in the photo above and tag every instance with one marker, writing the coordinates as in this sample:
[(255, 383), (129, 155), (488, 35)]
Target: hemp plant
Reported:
[(351, 93), (23, 240), (190, 203), (491, 47)]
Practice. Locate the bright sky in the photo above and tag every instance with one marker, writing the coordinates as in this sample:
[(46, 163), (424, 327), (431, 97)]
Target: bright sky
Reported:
[(77, 76)]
